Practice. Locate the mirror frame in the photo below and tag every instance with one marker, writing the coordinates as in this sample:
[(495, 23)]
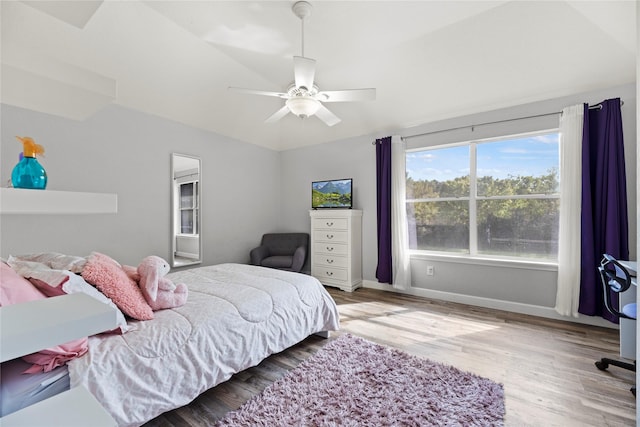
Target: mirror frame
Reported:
[(177, 261)]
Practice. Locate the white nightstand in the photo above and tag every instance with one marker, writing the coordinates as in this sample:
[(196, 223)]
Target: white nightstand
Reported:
[(32, 326)]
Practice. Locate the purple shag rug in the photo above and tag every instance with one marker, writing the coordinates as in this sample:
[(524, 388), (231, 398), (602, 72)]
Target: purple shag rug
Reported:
[(354, 382)]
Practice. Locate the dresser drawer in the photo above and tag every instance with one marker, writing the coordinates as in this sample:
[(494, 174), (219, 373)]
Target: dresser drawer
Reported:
[(330, 236), (326, 260), (329, 248), (329, 273), (329, 223)]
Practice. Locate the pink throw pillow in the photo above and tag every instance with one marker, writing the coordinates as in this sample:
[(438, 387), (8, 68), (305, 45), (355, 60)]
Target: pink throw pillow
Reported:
[(108, 276), (15, 289)]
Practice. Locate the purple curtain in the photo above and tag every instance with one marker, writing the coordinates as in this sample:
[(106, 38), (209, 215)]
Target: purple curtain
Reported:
[(604, 201), (383, 191)]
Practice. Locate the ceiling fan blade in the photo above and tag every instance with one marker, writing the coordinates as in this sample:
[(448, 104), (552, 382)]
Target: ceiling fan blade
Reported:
[(304, 70), (346, 95), (259, 92), (327, 116), (278, 115)]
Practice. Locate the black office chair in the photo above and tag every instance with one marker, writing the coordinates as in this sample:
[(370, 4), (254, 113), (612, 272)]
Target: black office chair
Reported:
[(616, 278)]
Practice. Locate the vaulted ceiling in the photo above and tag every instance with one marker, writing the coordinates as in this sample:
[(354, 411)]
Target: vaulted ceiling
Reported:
[(428, 60)]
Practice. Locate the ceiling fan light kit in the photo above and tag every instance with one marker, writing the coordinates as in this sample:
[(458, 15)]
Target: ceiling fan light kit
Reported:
[(303, 106), (303, 98)]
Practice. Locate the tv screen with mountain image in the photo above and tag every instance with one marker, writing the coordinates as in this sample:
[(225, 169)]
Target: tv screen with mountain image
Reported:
[(334, 193)]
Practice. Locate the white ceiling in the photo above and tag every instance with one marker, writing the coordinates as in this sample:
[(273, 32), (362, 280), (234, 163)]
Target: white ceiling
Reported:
[(428, 60)]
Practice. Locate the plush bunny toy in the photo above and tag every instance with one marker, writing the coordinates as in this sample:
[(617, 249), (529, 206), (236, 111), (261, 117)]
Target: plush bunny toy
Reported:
[(159, 291)]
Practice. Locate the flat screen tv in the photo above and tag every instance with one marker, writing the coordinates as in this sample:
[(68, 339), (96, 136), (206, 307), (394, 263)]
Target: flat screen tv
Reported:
[(335, 193)]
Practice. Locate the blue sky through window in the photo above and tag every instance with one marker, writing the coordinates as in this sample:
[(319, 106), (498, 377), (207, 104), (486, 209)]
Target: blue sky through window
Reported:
[(521, 156)]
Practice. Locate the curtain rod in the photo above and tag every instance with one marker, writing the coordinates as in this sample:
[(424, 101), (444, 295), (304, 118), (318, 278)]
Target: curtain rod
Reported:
[(596, 106)]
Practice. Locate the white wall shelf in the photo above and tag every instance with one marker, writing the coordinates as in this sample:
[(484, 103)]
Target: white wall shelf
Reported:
[(23, 201), (32, 326)]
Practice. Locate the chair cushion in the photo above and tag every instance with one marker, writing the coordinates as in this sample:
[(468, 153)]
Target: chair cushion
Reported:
[(280, 261), (631, 310)]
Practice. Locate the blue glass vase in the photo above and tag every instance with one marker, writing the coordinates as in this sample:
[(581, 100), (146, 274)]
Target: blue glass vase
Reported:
[(29, 173)]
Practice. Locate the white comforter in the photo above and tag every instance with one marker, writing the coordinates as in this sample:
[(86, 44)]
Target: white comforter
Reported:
[(236, 315)]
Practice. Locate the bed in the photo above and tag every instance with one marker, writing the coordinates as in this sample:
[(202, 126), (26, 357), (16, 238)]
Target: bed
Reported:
[(235, 316)]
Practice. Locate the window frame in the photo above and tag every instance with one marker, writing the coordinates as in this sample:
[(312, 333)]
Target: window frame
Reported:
[(194, 206), (472, 198)]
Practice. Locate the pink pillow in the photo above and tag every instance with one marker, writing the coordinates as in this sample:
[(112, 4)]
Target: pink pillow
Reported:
[(15, 289), (108, 276)]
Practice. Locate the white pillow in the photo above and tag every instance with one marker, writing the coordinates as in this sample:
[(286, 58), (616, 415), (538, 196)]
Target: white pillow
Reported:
[(77, 284), (55, 260)]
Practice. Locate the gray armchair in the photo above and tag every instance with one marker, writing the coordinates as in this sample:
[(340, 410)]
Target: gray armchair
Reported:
[(284, 251)]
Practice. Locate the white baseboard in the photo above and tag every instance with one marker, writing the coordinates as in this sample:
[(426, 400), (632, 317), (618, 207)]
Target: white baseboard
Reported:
[(514, 307), (187, 255)]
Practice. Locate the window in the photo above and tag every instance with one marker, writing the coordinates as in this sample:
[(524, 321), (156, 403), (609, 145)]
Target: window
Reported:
[(494, 198), (188, 207)]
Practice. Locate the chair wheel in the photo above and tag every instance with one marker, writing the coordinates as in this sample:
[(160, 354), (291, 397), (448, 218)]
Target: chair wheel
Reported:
[(602, 365)]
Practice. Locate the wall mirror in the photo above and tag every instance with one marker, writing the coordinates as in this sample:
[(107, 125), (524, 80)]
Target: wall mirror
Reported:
[(185, 207)]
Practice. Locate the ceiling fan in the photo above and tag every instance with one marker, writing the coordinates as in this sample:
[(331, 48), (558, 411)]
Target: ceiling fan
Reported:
[(303, 97)]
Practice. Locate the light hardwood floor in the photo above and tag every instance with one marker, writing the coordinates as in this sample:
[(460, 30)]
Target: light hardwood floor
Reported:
[(546, 366)]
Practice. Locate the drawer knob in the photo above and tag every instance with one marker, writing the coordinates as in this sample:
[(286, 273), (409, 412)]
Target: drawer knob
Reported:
[(329, 248), (329, 261), (329, 224), (329, 236), (329, 273)]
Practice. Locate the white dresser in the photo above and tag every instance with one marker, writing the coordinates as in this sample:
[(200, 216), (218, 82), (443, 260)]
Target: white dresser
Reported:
[(336, 247)]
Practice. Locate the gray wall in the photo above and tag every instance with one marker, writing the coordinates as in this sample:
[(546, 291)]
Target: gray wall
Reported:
[(353, 158), (126, 152), (249, 190), (519, 285)]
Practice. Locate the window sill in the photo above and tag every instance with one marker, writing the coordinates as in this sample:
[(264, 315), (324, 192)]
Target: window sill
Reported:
[(485, 261)]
